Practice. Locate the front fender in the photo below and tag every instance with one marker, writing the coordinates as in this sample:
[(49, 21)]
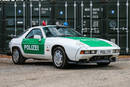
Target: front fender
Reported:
[(71, 52)]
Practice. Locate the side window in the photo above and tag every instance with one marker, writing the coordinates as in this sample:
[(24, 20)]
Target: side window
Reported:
[(34, 32)]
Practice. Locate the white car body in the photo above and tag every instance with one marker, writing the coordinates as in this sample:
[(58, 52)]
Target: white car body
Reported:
[(72, 47)]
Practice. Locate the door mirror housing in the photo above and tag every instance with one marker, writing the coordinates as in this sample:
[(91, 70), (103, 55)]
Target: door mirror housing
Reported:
[(37, 37)]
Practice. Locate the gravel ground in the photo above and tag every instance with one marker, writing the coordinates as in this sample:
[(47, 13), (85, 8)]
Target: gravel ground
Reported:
[(43, 74)]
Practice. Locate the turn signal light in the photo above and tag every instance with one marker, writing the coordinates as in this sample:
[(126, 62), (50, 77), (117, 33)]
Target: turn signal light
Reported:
[(82, 52)]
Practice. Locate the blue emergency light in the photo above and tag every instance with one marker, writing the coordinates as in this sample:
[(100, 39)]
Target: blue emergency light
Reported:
[(66, 24)]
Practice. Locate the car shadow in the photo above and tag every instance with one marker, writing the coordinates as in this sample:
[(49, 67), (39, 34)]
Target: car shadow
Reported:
[(76, 66), (93, 66), (39, 63)]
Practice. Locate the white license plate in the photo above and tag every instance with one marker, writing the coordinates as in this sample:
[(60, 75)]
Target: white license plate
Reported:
[(105, 51)]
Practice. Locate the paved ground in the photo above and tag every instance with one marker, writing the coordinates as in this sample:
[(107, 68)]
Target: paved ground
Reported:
[(43, 74)]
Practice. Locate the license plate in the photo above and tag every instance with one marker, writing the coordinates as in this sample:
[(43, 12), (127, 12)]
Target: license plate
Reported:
[(105, 51)]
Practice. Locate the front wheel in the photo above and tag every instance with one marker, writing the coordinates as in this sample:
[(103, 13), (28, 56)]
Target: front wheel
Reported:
[(17, 57), (59, 58)]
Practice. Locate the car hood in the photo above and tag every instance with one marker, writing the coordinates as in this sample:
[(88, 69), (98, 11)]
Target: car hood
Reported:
[(92, 42)]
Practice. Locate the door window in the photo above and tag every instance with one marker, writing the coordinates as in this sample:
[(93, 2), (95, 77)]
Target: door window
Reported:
[(34, 32)]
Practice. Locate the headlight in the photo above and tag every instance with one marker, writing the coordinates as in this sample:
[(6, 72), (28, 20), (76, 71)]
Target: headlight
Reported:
[(116, 51), (88, 51)]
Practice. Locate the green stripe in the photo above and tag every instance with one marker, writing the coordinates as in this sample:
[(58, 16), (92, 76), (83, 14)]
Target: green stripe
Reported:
[(92, 42)]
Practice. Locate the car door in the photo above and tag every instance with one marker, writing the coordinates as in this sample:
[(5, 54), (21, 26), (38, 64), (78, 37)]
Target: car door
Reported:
[(31, 45)]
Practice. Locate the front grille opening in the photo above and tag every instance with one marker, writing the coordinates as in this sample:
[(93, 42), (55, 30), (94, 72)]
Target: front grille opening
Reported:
[(98, 58)]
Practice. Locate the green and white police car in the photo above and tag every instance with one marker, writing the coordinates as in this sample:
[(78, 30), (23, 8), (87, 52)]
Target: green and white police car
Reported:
[(62, 45)]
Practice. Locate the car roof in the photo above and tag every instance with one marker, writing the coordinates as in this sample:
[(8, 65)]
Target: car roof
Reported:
[(47, 26)]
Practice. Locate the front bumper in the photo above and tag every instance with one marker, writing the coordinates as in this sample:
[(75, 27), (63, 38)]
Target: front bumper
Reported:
[(98, 57)]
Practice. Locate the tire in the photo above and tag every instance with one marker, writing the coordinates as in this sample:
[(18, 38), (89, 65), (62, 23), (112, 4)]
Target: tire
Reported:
[(59, 57), (17, 57), (103, 64)]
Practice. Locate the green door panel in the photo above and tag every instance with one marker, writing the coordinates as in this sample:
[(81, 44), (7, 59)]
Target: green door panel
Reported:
[(33, 46)]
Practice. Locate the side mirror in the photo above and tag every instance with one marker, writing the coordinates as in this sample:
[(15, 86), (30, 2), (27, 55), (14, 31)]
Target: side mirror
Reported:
[(37, 37)]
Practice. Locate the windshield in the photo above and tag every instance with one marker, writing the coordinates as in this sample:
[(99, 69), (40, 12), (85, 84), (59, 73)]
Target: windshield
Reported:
[(61, 32)]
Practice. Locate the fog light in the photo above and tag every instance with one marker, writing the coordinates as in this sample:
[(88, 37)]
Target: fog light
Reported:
[(93, 51), (87, 52)]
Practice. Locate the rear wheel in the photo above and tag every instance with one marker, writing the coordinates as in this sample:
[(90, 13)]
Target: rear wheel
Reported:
[(59, 58), (17, 57), (103, 64)]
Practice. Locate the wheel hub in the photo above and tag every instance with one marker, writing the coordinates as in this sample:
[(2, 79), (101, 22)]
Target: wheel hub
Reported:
[(58, 58), (15, 55)]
